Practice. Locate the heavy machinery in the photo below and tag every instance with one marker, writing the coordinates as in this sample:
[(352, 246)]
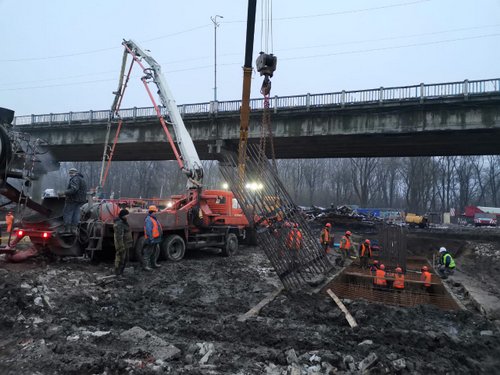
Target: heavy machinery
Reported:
[(414, 220), (197, 219)]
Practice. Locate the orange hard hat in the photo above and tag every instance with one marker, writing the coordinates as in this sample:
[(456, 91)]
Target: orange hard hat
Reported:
[(348, 233), (367, 240), (152, 208), (328, 225), (425, 268), (382, 267), (399, 270)]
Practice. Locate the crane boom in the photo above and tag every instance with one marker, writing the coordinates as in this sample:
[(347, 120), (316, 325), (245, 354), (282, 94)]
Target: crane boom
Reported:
[(190, 161)]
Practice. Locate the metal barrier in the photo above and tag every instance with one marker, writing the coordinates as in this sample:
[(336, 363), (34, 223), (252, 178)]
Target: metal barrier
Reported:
[(417, 93)]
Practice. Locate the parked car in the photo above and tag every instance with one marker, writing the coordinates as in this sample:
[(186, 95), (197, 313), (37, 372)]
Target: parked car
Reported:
[(484, 219)]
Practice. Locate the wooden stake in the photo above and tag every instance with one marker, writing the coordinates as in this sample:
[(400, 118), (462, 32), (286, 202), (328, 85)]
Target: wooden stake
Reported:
[(255, 310), (348, 316)]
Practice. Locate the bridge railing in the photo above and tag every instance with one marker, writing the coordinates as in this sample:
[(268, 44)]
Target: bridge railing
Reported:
[(417, 93)]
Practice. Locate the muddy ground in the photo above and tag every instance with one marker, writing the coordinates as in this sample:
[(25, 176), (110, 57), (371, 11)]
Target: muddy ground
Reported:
[(61, 317)]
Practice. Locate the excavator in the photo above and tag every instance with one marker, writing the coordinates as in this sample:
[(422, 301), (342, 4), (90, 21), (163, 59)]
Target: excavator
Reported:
[(198, 218)]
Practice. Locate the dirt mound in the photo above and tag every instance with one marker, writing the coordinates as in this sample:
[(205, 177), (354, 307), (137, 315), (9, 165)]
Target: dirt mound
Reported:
[(66, 318)]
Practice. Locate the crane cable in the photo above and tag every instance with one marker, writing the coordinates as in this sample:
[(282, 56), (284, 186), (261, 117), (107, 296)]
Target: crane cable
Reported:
[(266, 47)]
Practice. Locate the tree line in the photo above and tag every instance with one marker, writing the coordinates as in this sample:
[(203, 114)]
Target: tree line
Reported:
[(414, 184)]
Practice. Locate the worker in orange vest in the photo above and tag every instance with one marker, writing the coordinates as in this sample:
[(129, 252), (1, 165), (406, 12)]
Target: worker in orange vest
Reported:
[(426, 278), (294, 240), (379, 279), (9, 220), (365, 252), (294, 243), (152, 238), (399, 279), (326, 238), (346, 247)]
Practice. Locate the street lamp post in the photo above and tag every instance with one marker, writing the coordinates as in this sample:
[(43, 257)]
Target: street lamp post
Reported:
[(216, 25)]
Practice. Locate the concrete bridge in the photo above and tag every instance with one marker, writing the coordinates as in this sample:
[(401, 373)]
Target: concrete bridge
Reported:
[(454, 118)]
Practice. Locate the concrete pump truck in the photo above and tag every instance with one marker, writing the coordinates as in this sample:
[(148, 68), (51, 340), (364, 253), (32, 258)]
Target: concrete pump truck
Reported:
[(196, 219)]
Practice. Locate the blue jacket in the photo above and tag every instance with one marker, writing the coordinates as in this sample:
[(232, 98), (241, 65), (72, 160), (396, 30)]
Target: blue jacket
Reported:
[(148, 229)]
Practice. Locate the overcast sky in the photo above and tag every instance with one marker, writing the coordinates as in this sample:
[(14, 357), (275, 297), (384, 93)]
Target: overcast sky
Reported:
[(61, 56)]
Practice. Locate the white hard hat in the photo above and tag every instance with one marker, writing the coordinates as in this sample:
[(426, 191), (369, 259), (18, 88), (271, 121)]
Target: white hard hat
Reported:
[(442, 250)]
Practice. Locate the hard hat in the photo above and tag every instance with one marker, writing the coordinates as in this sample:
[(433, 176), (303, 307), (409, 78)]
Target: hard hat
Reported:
[(328, 225), (73, 170), (442, 250), (382, 267), (375, 261), (399, 270), (152, 208), (367, 240), (425, 268), (348, 233)]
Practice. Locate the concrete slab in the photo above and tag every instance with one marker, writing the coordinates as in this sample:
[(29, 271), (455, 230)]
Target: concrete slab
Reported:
[(486, 302)]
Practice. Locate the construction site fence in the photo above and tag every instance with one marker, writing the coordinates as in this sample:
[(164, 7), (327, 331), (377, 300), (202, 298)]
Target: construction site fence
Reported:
[(412, 94)]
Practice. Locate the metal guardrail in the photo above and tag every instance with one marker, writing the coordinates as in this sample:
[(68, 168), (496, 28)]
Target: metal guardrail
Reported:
[(417, 93)]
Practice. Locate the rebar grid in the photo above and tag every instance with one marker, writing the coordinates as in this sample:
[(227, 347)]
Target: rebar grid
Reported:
[(393, 241), (405, 298), (271, 210)]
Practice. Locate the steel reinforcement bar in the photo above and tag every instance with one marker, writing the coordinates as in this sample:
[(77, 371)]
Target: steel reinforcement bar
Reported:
[(276, 219)]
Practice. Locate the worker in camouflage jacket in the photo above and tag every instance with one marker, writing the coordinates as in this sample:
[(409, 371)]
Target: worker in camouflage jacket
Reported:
[(123, 241)]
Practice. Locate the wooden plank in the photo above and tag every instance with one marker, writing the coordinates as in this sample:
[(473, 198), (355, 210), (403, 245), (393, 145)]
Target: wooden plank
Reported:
[(348, 316), (256, 309)]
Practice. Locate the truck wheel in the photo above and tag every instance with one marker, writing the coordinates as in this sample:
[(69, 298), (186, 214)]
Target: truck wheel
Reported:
[(173, 248), (231, 246)]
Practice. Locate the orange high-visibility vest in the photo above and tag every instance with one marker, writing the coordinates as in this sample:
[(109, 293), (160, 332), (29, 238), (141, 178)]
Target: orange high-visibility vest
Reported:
[(294, 241), (156, 228), (399, 281), (325, 236), (364, 249), (9, 220), (380, 278), (426, 277), (347, 244)]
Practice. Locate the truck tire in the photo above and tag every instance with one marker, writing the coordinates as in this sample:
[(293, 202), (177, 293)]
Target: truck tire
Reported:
[(231, 246), (173, 248)]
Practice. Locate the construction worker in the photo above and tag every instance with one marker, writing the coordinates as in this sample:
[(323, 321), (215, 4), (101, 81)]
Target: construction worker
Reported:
[(294, 240), (76, 196), (123, 240), (399, 279), (294, 243), (326, 238), (379, 279), (9, 220), (365, 252), (374, 267), (152, 239), (446, 263), (346, 247), (426, 278)]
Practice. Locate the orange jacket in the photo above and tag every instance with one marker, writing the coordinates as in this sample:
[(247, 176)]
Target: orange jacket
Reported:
[(380, 278), (399, 281), (9, 220), (426, 277), (152, 228), (345, 243), (325, 236), (294, 240), (366, 248)]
